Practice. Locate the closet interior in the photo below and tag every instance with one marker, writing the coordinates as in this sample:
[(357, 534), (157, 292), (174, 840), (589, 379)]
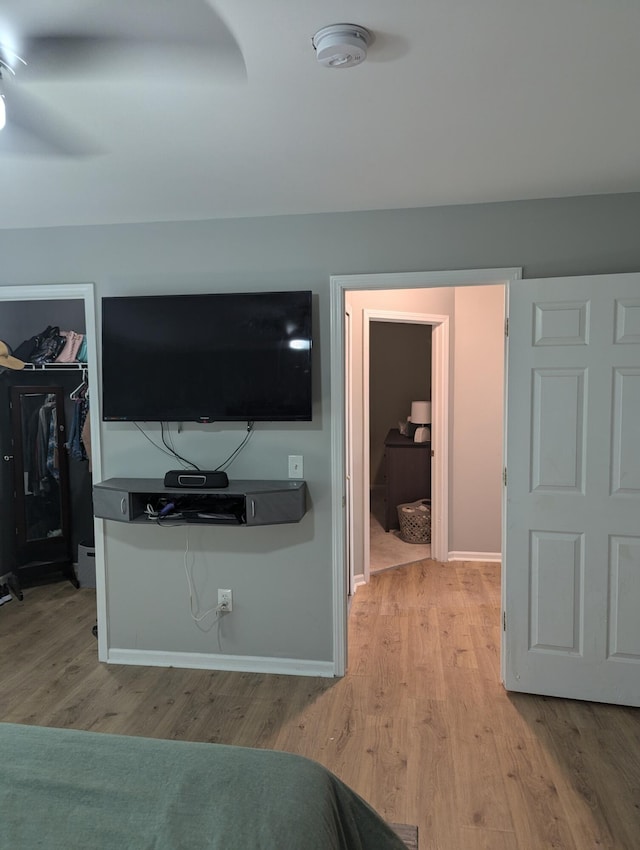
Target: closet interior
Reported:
[(46, 511)]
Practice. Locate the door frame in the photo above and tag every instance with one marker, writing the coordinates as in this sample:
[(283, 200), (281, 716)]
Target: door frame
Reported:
[(348, 432), (440, 426), (80, 292), (339, 285)]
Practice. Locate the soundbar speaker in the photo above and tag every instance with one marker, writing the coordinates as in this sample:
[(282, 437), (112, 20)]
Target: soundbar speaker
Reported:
[(205, 478)]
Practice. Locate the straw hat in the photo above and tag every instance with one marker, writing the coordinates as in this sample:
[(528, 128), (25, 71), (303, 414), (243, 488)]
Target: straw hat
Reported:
[(7, 360)]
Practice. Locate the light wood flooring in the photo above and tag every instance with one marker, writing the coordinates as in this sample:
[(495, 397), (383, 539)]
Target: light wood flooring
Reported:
[(420, 726)]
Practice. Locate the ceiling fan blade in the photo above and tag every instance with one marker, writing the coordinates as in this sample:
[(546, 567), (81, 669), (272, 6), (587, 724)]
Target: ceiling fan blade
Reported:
[(90, 58), (156, 39), (33, 129)]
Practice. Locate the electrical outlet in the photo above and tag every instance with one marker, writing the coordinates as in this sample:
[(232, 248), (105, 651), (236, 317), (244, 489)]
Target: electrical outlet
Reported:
[(295, 466), (225, 599)]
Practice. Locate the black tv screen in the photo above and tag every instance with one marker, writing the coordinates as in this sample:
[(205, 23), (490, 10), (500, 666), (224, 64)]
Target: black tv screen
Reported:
[(204, 358)]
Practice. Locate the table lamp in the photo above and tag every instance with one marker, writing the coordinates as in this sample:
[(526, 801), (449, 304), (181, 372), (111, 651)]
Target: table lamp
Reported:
[(421, 416)]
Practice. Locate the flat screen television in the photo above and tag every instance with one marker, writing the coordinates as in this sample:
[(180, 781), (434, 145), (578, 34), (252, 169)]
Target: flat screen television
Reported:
[(206, 358)]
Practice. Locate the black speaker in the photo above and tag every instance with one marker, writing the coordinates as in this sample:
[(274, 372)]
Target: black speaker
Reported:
[(206, 478)]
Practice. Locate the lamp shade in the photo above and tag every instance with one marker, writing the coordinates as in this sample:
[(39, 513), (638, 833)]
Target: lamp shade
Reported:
[(421, 412)]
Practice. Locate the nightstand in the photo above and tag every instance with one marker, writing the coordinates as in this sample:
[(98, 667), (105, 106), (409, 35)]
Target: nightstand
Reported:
[(407, 468)]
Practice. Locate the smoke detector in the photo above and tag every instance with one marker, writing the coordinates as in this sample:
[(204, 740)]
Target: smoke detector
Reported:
[(341, 45)]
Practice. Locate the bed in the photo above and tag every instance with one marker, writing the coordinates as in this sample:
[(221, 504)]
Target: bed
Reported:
[(63, 789)]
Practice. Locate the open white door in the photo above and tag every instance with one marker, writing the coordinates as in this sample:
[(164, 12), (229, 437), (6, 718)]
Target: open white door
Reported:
[(572, 519)]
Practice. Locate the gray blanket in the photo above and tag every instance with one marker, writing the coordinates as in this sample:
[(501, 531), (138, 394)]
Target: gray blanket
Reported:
[(62, 789)]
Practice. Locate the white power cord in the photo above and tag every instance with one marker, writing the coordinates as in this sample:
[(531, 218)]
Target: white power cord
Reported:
[(151, 512), (197, 617)]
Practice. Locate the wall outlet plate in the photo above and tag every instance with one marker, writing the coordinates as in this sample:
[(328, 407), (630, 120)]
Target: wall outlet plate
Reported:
[(225, 598)]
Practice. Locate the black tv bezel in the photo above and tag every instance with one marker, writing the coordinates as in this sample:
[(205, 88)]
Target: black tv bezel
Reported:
[(205, 418)]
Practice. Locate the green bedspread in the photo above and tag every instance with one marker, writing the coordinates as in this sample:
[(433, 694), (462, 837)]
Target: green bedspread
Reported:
[(63, 789)]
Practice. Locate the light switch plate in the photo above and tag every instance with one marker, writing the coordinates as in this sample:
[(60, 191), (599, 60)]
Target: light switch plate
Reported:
[(296, 466)]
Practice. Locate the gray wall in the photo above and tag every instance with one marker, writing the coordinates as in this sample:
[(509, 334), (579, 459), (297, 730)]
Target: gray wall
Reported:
[(281, 576)]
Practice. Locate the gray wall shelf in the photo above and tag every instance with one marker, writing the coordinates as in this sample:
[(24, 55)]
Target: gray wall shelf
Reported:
[(245, 503)]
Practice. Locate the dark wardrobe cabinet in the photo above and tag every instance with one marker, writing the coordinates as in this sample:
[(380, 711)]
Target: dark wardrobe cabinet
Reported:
[(35, 494)]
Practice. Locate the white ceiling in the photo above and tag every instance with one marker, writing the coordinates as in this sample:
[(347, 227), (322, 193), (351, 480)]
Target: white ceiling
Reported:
[(459, 101)]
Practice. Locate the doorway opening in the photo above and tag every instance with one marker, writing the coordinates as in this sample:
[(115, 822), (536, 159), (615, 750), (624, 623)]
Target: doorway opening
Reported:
[(399, 466), (84, 294), (353, 487), (358, 529)]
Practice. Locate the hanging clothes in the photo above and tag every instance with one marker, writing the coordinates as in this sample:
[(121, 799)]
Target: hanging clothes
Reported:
[(41, 447), (52, 446), (76, 443), (86, 434)]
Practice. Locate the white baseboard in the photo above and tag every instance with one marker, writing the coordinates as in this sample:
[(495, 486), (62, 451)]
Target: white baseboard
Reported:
[(490, 557), (235, 663)]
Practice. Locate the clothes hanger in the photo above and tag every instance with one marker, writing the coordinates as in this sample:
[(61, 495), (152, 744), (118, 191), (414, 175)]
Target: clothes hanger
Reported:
[(81, 390)]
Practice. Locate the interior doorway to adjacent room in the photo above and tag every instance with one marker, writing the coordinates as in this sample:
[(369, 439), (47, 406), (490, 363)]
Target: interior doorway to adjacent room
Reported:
[(388, 292), (399, 373)]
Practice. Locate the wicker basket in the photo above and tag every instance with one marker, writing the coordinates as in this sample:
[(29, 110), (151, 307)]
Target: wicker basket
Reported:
[(415, 521)]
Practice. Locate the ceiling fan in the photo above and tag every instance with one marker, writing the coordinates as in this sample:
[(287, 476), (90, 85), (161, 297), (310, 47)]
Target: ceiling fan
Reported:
[(130, 41)]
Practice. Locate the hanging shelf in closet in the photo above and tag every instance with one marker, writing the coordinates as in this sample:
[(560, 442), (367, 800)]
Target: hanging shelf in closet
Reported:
[(44, 367)]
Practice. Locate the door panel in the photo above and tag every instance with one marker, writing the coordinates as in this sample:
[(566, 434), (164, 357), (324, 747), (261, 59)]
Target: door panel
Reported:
[(572, 521), (559, 420)]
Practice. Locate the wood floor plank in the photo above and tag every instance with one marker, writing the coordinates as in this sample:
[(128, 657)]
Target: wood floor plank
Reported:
[(536, 800), (472, 838), (430, 776), (480, 793), (420, 726)]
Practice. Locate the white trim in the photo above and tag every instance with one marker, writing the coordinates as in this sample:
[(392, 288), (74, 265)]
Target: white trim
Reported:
[(81, 292), (425, 280), (440, 359), (348, 427), (489, 557), (365, 440), (339, 284), (340, 597), (210, 661), (505, 438)]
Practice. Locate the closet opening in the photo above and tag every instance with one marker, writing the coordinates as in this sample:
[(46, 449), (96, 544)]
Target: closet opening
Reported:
[(46, 468)]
